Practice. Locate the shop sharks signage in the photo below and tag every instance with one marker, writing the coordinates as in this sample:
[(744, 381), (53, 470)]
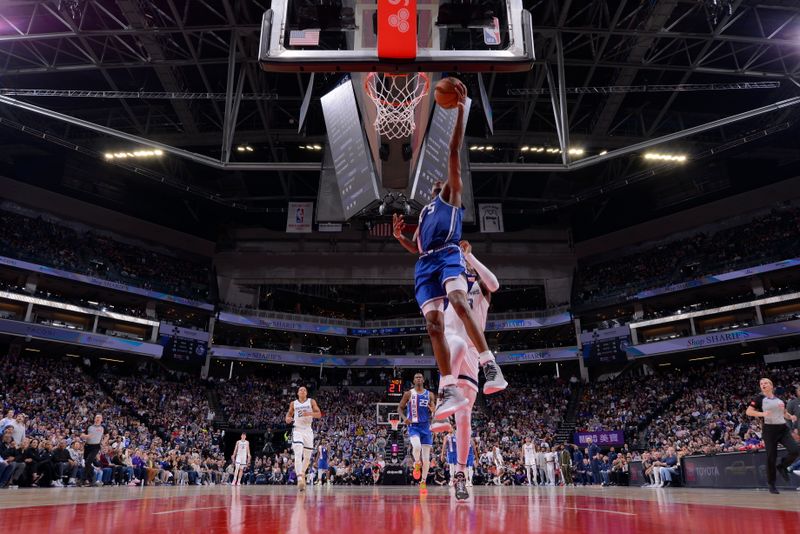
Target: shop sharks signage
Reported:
[(715, 339)]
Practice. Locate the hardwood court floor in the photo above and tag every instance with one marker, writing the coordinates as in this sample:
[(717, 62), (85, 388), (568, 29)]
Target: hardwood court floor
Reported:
[(394, 510)]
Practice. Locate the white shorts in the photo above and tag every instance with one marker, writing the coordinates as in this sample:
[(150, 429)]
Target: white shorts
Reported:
[(530, 462), (467, 373), (304, 436)]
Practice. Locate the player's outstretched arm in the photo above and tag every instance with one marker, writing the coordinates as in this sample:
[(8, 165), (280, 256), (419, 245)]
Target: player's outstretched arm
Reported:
[(487, 277), (290, 414), (398, 227), (452, 189)]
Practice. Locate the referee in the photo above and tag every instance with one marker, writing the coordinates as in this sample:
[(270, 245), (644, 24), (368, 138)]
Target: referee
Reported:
[(92, 439), (774, 431)]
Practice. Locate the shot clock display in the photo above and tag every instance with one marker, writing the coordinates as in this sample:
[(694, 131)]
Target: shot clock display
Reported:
[(394, 388)]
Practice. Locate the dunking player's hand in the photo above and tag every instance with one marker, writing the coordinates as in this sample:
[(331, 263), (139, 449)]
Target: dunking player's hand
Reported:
[(466, 247), (461, 91), (398, 225)]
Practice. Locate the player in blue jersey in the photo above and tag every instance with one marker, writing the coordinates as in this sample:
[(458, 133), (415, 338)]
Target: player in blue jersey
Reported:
[(450, 455), (417, 405), (322, 462), (441, 274)]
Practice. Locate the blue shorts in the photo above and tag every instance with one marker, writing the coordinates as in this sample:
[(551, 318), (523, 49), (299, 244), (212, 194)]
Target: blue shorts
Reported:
[(423, 430), (322, 467), (471, 460), (452, 458), (434, 269)]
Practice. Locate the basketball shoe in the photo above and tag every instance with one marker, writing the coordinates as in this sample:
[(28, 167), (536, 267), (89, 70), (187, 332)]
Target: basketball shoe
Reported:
[(451, 401), (461, 486), (494, 378)]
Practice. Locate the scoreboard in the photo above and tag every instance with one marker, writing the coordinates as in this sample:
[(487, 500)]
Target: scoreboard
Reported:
[(605, 346), (394, 388)]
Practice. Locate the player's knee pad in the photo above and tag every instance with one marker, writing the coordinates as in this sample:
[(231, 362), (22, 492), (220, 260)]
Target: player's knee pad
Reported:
[(456, 284), (435, 305)]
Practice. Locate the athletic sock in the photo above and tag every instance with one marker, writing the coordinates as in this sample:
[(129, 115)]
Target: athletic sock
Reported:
[(448, 380)]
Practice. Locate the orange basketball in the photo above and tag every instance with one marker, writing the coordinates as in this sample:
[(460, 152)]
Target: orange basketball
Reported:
[(445, 93)]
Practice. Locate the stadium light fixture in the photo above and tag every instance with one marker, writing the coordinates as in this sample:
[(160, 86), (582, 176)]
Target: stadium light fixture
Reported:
[(673, 158), (135, 154), (603, 152), (576, 151)]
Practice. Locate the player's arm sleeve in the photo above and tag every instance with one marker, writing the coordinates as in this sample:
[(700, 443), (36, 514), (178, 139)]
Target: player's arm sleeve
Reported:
[(487, 277)]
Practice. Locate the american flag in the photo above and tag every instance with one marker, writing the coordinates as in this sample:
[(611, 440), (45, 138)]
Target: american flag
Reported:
[(304, 38), (380, 230)]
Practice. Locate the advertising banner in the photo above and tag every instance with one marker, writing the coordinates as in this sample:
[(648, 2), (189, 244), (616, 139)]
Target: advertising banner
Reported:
[(118, 286), (732, 470), (727, 337), (76, 337), (602, 438)]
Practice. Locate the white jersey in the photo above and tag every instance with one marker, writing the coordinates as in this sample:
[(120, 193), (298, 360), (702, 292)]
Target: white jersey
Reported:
[(480, 310), (241, 452), (498, 457), (529, 453), (302, 421)]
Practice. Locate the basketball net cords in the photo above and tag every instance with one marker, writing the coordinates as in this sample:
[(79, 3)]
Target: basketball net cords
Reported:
[(396, 97)]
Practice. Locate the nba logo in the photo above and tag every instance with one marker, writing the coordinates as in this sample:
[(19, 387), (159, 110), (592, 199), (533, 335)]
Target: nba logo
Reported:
[(491, 35), (299, 215)]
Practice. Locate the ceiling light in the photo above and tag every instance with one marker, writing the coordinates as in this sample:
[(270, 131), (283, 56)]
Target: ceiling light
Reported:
[(604, 152), (489, 147), (657, 156), (134, 154), (240, 149), (576, 151), (525, 148), (317, 147), (473, 147), (32, 350)]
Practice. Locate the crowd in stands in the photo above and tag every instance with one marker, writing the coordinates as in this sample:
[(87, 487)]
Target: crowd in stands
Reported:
[(49, 404), (626, 402), (708, 416), (159, 424), (55, 244), (771, 237)]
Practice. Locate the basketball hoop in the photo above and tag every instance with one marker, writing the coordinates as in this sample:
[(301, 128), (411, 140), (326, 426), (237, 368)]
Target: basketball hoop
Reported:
[(396, 97), (394, 420)]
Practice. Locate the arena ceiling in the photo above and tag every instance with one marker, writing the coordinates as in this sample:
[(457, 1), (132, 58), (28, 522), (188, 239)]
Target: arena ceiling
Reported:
[(632, 70)]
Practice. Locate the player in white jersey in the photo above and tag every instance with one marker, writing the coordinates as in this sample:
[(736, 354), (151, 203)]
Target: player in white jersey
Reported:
[(241, 457), (465, 358), (529, 460), (302, 412)]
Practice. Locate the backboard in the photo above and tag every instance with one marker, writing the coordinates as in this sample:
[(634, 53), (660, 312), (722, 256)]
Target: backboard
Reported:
[(344, 36)]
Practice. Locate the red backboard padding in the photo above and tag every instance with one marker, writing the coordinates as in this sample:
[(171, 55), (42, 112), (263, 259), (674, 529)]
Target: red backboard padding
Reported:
[(397, 29)]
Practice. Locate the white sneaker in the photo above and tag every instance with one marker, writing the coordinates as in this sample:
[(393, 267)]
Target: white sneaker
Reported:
[(451, 400), (441, 426), (494, 378)]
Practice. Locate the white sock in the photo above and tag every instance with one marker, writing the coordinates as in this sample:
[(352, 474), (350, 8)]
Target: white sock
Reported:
[(485, 356), (448, 380)]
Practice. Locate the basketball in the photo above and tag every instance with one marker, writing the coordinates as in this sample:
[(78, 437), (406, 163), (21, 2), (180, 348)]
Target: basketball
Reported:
[(445, 93)]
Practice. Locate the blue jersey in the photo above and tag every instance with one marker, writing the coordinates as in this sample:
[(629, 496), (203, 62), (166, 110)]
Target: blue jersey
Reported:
[(439, 225), (418, 408), (452, 447), (322, 463)]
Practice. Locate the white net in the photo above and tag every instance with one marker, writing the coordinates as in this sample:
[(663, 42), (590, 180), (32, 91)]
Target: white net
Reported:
[(396, 97)]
